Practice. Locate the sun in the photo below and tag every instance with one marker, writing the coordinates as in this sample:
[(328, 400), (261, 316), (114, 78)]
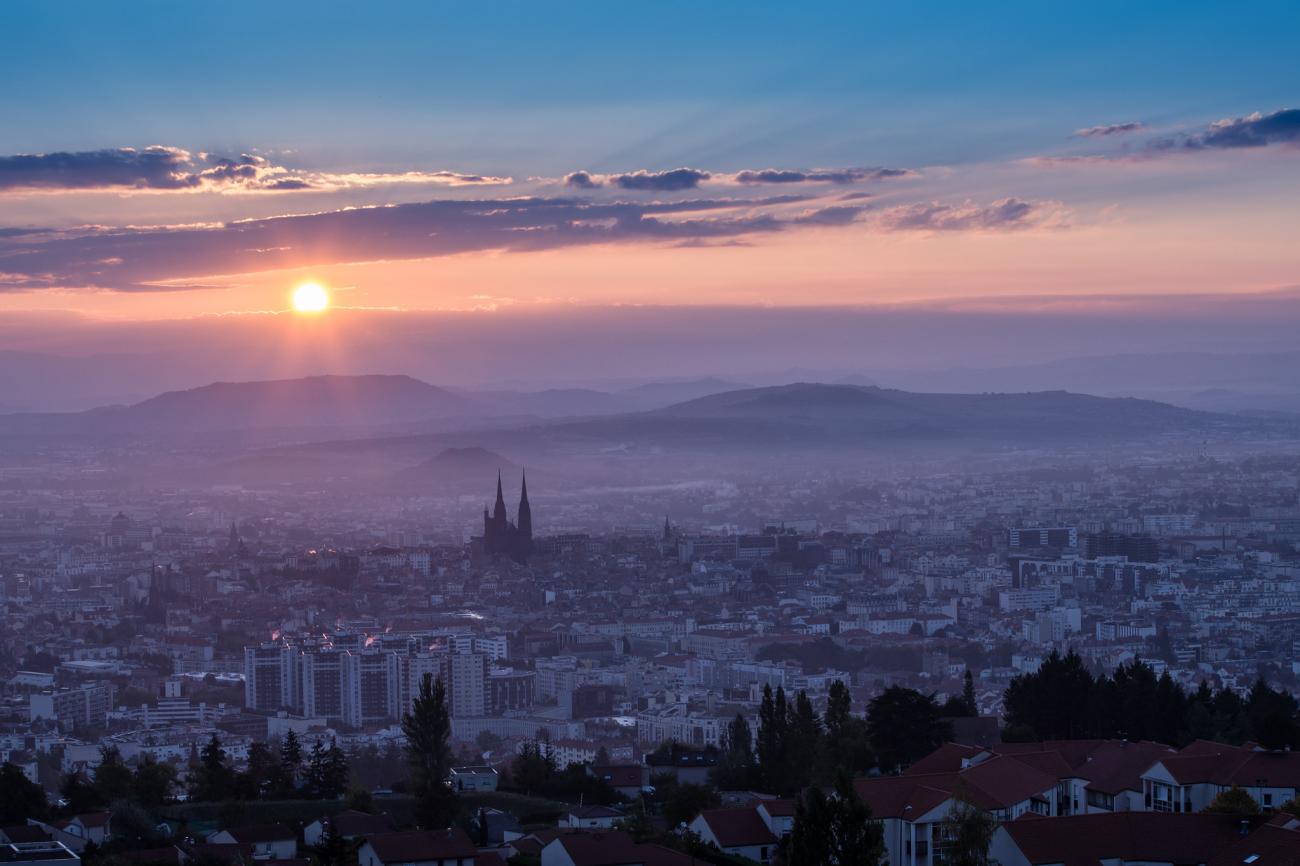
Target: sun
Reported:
[(310, 298)]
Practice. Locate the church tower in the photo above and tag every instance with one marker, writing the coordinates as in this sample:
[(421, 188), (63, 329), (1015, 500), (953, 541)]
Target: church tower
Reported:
[(525, 520)]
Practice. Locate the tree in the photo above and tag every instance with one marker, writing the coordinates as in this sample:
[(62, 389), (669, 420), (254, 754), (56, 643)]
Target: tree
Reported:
[(214, 780), (683, 801), (1055, 702), (314, 777), (1234, 801), (428, 728), (845, 745), (20, 798), (736, 769), (966, 833), (805, 736), (835, 831), (532, 768), (291, 752), (968, 695), (337, 774), (112, 776), (772, 742), (1272, 717), (153, 783), (904, 726), (79, 794)]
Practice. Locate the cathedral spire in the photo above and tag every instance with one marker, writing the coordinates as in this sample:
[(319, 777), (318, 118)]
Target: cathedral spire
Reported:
[(499, 510), (525, 520)]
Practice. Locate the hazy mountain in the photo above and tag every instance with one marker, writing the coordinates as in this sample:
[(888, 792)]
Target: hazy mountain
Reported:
[(1199, 380), (808, 414), (655, 394), (313, 402)]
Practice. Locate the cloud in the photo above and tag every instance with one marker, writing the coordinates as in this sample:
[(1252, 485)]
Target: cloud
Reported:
[(163, 257), (1254, 130), (818, 175), (1007, 214), (581, 180), (673, 180), (1109, 129), (172, 169)]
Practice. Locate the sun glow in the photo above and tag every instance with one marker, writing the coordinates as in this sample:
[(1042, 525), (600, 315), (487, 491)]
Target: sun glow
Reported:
[(310, 298)]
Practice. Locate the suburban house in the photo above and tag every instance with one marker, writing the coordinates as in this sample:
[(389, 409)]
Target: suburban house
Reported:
[(591, 818), (912, 806), (1129, 838), (418, 848), (610, 848), (1190, 780), (477, 778), (78, 830), (738, 831), (626, 779), (47, 853), (348, 824), (265, 841)]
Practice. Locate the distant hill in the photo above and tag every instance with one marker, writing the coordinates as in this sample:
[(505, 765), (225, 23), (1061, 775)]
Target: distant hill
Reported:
[(806, 414), (312, 402), (472, 469)]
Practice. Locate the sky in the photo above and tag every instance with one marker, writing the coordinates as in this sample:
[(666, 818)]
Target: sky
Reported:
[(169, 162)]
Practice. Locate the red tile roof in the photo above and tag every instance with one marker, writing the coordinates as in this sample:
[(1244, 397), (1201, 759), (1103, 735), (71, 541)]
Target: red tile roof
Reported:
[(737, 828), (416, 846), (1086, 840)]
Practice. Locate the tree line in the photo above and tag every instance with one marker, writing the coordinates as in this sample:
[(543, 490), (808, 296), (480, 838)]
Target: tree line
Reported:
[(1064, 700)]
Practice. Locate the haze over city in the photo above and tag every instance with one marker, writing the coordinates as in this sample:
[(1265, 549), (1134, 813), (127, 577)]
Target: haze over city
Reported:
[(649, 433)]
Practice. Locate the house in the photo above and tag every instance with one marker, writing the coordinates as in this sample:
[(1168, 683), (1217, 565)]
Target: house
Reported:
[(348, 824), (1102, 775), (912, 806), (77, 831), (627, 779), (738, 831), (1276, 843), (22, 833), (778, 815), (1116, 839), (609, 848), (591, 818), (1190, 780), (479, 778), (47, 853), (265, 841), (450, 847)]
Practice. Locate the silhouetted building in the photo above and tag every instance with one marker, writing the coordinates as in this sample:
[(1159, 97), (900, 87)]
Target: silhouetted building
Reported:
[(1138, 548), (500, 536)]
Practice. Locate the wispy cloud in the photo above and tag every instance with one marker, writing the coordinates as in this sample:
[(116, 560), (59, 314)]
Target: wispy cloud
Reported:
[(1007, 214), (172, 169), (168, 258), (1109, 129), (818, 175)]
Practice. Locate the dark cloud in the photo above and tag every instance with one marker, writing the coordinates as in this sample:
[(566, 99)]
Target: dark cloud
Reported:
[(662, 181), (151, 168), (138, 258), (1007, 214), (819, 175), (1256, 130), (171, 169), (1109, 129), (581, 180)]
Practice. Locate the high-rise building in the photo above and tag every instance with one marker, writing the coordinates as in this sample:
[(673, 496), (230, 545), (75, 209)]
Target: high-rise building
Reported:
[(371, 688), (468, 685), (271, 677), (322, 683), (416, 667)]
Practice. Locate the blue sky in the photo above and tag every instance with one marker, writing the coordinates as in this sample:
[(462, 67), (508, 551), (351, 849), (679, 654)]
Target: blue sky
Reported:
[(535, 88)]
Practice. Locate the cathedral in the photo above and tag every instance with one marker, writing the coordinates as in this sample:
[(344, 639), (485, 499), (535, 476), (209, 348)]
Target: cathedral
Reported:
[(500, 536)]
